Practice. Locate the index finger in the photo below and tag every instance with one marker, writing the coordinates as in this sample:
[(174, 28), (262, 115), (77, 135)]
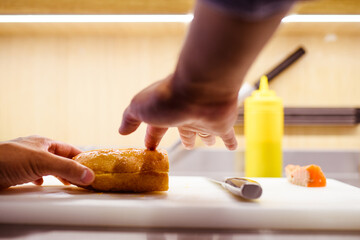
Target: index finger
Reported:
[(63, 149), (153, 136)]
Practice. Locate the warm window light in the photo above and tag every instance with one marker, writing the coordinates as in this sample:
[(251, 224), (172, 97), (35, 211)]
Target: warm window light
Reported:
[(185, 18)]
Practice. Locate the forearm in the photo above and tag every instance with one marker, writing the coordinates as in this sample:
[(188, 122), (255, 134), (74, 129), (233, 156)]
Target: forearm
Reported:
[(218, 52), (201, 96)]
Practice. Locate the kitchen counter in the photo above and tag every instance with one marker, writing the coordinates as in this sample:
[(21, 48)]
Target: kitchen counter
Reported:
[(33, 231), (41, 232), (342, 165), (60, 231)]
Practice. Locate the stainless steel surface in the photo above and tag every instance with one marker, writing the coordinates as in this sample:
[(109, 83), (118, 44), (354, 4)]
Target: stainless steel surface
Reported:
[(245, 91), (342, 165), (175, 147)]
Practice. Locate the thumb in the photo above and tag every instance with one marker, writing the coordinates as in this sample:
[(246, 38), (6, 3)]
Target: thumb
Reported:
[(67, 169), (129, 123)]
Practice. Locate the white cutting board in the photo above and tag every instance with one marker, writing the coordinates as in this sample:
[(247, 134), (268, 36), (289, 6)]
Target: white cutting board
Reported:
[(190, 202)]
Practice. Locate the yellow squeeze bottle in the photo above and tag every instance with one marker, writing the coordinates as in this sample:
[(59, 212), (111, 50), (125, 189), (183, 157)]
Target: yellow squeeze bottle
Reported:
[(263, 129)]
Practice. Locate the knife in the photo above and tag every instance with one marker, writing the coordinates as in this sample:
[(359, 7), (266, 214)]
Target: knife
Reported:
[(246, 89), (243, 187)]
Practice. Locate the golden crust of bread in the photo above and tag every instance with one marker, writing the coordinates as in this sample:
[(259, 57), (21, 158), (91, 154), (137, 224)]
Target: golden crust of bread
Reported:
[(127, 170), (131, 182)]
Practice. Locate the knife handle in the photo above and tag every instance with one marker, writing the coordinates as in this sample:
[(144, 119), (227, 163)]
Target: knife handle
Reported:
[(247, 189)]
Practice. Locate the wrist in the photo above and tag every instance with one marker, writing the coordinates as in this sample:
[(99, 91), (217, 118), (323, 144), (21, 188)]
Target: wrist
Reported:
[(198, 88), (200, 100)]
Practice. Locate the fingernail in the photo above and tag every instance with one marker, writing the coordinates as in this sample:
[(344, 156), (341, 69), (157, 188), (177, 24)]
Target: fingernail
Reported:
[(188, 147), (232, 147), (87, 177), (121, 130)]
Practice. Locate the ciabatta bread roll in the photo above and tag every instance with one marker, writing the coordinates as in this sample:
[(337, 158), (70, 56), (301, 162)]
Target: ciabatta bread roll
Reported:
[(127, 170)]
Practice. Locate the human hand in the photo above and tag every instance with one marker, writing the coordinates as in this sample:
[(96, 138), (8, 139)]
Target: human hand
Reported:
[(201, 96), (28, 159), (161, 107)]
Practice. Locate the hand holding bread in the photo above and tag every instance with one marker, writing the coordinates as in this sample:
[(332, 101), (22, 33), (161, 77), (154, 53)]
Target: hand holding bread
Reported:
[(28, 159)]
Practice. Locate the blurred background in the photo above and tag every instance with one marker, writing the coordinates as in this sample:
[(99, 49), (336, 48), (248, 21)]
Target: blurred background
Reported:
[(71, 81)]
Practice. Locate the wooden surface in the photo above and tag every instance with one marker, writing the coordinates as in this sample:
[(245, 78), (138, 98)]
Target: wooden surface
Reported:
[(319, 29), (327, 31), (93, 30), (74, 88), (96, 6), (327, 7), (154, 7), (72, 82)]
